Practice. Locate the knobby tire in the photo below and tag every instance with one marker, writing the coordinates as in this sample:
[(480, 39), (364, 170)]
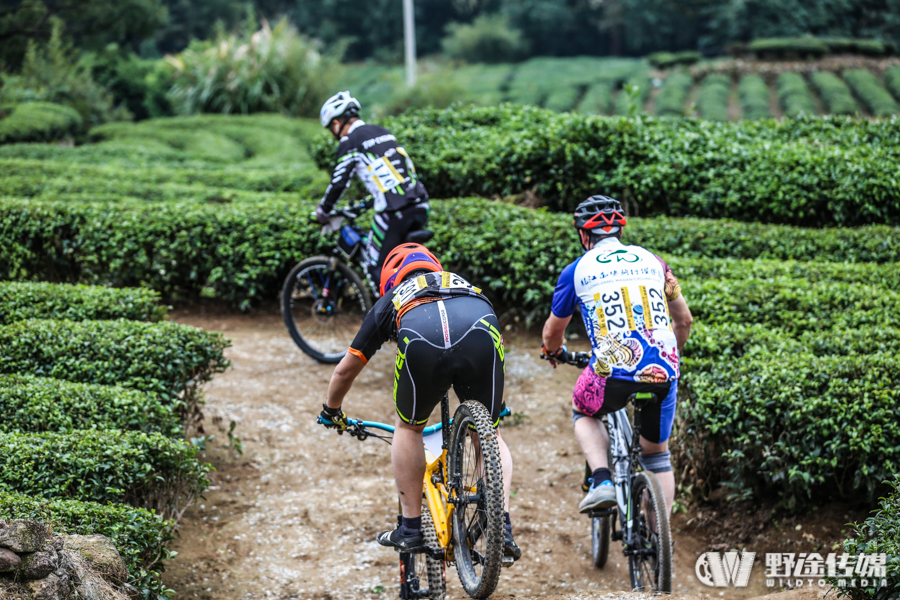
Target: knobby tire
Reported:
[(489, 510), (652, 573), (430, 571)]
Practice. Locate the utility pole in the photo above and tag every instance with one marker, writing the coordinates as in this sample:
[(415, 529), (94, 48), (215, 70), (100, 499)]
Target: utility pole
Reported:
[(409, 35)]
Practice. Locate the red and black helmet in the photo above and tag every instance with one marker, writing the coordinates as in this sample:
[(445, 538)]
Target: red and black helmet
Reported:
[(600, 213), (403, 260)]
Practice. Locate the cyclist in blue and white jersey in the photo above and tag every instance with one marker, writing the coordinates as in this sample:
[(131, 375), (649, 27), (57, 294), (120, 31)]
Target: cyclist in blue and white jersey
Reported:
[(638, 322), (372, 153)]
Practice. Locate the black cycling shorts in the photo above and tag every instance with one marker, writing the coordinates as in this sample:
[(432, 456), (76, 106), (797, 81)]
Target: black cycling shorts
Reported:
[(454, 342)]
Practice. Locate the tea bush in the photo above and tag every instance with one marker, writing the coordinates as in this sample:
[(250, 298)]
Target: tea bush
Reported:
[(872, 93), (697, 270), (39, 404), (147, 470), (892, 80), (879, 534), (672, 95), (803, 172), (793, 427), (167, 359), (781, 48), (754, 96), (139, 535), (794, 95), (835, 93), (240, 253), (21, 301), (712, 103), (39, 122)]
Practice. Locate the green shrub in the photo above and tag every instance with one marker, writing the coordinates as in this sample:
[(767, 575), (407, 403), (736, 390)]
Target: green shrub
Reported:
[(242, 252), (783, 48), (141, 85), (168, 359), (597, 100), (803, 171), (892, 80), (631, 98), (835, 94), (793, 304), (867, 273), (139, 535), (21, 301), (688, 57), (856, 46), (712, 103), (879, 534), (147, 470), (488, 39), (871, 48), (791, 427), (872, 93), (39, 122), (794, 95), (37, 404), (673, 94), (274, 69), (754, 96), (662, 60), (436, 89)]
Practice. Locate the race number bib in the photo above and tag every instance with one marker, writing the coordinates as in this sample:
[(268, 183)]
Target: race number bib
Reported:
[(624, 309), (448, 281), (384, 174)]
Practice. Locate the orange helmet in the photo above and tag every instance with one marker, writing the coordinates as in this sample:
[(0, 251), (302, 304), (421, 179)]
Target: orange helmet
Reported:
[(403, 260)]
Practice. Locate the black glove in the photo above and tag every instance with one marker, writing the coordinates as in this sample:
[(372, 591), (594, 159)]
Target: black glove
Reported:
[(337, 417), (555, 357)]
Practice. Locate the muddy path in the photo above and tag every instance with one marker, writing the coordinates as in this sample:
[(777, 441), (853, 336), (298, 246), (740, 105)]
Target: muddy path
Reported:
[(295, 516)]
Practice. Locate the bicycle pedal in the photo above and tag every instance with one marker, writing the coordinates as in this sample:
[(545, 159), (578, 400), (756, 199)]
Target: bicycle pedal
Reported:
[(507, 561)]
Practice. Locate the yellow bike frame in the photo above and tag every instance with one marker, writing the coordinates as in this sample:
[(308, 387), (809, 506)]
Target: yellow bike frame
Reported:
[(436, 496)]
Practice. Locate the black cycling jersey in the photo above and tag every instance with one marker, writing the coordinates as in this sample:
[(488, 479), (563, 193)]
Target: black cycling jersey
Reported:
[(372, 153), (457, 343)]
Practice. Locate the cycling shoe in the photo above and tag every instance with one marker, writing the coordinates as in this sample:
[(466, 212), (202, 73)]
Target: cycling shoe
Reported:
[(412, 543)]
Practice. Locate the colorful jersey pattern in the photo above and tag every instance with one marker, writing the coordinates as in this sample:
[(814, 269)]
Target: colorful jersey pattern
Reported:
[(622, 292)]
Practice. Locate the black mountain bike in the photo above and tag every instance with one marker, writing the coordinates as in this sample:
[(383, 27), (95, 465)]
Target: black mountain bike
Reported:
[(324, 299), (641, 505)]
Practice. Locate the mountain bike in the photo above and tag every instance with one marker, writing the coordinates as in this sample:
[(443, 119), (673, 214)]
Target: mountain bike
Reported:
[(640, 503), (462, 508), (323, 299)]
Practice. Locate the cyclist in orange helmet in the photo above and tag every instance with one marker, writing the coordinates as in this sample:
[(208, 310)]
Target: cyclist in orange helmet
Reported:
[(447, 336)]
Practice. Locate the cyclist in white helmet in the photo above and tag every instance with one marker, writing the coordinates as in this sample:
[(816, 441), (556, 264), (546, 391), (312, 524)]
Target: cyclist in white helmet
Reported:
[(384, 167)]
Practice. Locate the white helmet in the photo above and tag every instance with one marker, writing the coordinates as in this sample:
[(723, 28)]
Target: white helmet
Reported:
[(336, 106)]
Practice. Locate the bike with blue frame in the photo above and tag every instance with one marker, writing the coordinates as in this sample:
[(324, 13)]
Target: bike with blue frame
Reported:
[(640, 502), (324, 299), (462, 503)]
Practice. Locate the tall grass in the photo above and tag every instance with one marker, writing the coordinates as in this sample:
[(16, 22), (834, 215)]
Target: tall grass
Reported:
[(272, 69)]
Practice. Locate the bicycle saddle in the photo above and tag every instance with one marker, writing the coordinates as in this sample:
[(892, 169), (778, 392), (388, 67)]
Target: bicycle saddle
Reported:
[(643, 399), (419, 236)]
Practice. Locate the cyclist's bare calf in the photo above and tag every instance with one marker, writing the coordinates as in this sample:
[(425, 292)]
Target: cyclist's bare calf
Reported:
[(408, 460)]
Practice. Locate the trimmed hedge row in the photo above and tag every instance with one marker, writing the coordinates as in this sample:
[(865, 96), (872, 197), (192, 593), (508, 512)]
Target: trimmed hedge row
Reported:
[(712, 103), (879, 534), (666, 60), (872, 93), (672, 95), (40, 404), (39, 122), (810, 172), (166, 358), (794, 95), (892, 81), (147, 470), (798, 426), (20, 301), (139, 535), (241, 253), (798, 47), (754, 96), (690, 270), (794, 305), (835, 93)]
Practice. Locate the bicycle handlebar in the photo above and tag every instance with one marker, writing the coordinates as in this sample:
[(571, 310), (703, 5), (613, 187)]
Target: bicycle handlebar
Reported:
[(360, 429), (576, 359), (349, 212)]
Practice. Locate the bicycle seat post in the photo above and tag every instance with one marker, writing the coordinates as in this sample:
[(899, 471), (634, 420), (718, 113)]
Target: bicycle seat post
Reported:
[(445, 422)]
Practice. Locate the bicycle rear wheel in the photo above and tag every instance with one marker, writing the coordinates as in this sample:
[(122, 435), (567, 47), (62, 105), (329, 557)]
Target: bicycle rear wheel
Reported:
[(600, 527), (477, 479), (420, 575), (650, 564), (324, 308)]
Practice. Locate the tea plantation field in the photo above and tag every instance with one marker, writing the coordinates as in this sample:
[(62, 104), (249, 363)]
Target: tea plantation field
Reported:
[(790, 382)]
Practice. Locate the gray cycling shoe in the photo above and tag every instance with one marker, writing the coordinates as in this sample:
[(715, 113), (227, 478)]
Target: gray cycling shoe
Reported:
[(602, 496)]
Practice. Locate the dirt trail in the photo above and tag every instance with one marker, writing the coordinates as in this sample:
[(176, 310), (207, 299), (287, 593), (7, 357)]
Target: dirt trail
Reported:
[(296, 515)]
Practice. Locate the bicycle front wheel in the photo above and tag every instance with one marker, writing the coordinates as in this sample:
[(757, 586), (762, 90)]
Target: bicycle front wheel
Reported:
[(477, 479), (324, 303), (600, 527), (650, 563), (422, 576)]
